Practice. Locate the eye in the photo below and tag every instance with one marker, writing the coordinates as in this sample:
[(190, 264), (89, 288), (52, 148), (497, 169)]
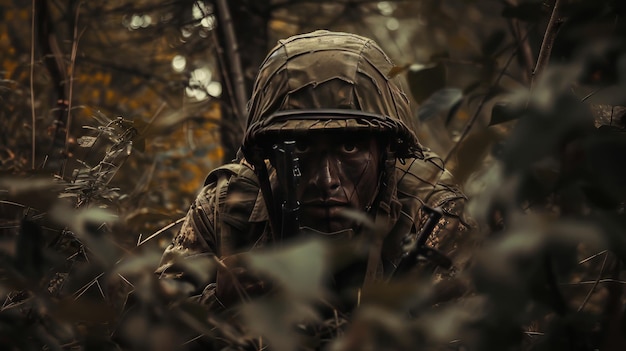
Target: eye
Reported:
[(349, 148), (302, 146)]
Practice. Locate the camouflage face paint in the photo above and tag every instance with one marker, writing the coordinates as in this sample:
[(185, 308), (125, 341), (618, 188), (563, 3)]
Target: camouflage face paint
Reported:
[(339, 172)]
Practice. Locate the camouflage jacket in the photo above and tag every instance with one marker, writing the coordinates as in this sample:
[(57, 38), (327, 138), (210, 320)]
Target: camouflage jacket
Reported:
[(229, 214)]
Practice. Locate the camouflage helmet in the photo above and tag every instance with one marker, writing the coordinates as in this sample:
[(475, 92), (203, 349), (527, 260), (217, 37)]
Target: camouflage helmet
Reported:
[(327, 81)]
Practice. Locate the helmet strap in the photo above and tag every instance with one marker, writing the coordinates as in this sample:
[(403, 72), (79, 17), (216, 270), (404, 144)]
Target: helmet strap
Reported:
[(261, 170), (386, 214)]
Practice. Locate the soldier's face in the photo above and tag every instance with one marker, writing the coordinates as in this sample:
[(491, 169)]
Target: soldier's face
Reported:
[(339, 172)]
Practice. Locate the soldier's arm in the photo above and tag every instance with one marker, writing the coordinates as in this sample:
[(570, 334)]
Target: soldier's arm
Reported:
[(452, 229), (197, 237), (426, 182), (224, 221)]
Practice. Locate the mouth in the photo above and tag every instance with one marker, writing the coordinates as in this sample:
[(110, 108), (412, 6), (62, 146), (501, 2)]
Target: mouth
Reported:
[(324, 208), (324, 203)]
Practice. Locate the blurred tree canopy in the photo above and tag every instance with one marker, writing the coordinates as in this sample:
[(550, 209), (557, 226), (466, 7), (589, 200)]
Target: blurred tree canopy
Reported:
[(113, 112)]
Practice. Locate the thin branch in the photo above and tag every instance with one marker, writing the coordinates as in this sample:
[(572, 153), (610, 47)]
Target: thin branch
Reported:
[(588, 282), (154, 116), (595, 284), (68, 123), (232, 52), (534, 333), (554, 24), (525, 48), (193, 339), (436, 176), (141, 242), (592, 94), (592, 257), (288, 3), (32, 88), (474, 118), (78, 293), (231, 128), (520, 32), (239, 288), (126, 280), (53, 59), (100, 290), (12, 203)]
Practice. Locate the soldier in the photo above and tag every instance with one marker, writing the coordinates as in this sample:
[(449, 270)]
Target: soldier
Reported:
[(326, 98)]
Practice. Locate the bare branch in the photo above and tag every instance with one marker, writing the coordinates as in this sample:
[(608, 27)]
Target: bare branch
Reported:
[(554, 24), (32, 89), (55, 64), (520, 32), (158, 232), (476, 114), (592, 256), (232, 53), (595, 284), (71, 85)]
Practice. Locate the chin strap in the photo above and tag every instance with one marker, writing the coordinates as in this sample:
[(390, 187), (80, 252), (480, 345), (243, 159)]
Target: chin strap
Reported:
[(266, 189), (387, 212)]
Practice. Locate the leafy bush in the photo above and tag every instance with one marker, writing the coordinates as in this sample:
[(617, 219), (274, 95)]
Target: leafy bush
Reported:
[(84, 222)]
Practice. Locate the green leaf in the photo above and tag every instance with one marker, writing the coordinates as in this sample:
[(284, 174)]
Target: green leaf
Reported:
[(424, 80), (442, 100), (397, 295), (500, 113), (451, 320), (138, 265), (39, 192), (471, 153), (275, 319), (299, 268), (90, 227)]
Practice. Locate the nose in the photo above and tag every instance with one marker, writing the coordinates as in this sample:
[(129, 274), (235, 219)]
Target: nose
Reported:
[(326, 179)]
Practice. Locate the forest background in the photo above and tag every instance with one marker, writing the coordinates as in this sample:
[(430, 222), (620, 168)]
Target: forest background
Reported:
[(113, 112)]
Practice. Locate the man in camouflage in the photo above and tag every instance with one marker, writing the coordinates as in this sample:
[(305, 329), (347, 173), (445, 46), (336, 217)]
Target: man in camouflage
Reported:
[(331, 94)]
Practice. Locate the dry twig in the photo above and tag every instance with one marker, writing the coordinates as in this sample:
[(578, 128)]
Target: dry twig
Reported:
[(520, 32), (71, 86), (595, 284), (32, 85), (554, 24)]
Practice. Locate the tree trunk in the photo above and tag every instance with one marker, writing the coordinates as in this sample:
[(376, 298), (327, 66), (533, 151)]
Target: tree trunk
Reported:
[(249, 23)]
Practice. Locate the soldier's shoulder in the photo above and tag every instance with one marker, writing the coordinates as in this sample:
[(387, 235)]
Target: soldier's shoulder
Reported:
[(228, 170), (429, 170), (428, 179)]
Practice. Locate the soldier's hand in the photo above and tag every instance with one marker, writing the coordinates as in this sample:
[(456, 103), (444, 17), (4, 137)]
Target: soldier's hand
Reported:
[(236, 283)]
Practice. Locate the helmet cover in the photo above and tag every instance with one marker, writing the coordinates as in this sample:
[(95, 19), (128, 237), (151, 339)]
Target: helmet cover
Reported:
[(330, 81)]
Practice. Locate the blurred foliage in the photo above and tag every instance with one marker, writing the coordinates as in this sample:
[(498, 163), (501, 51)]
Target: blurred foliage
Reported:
[(115, 167)]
